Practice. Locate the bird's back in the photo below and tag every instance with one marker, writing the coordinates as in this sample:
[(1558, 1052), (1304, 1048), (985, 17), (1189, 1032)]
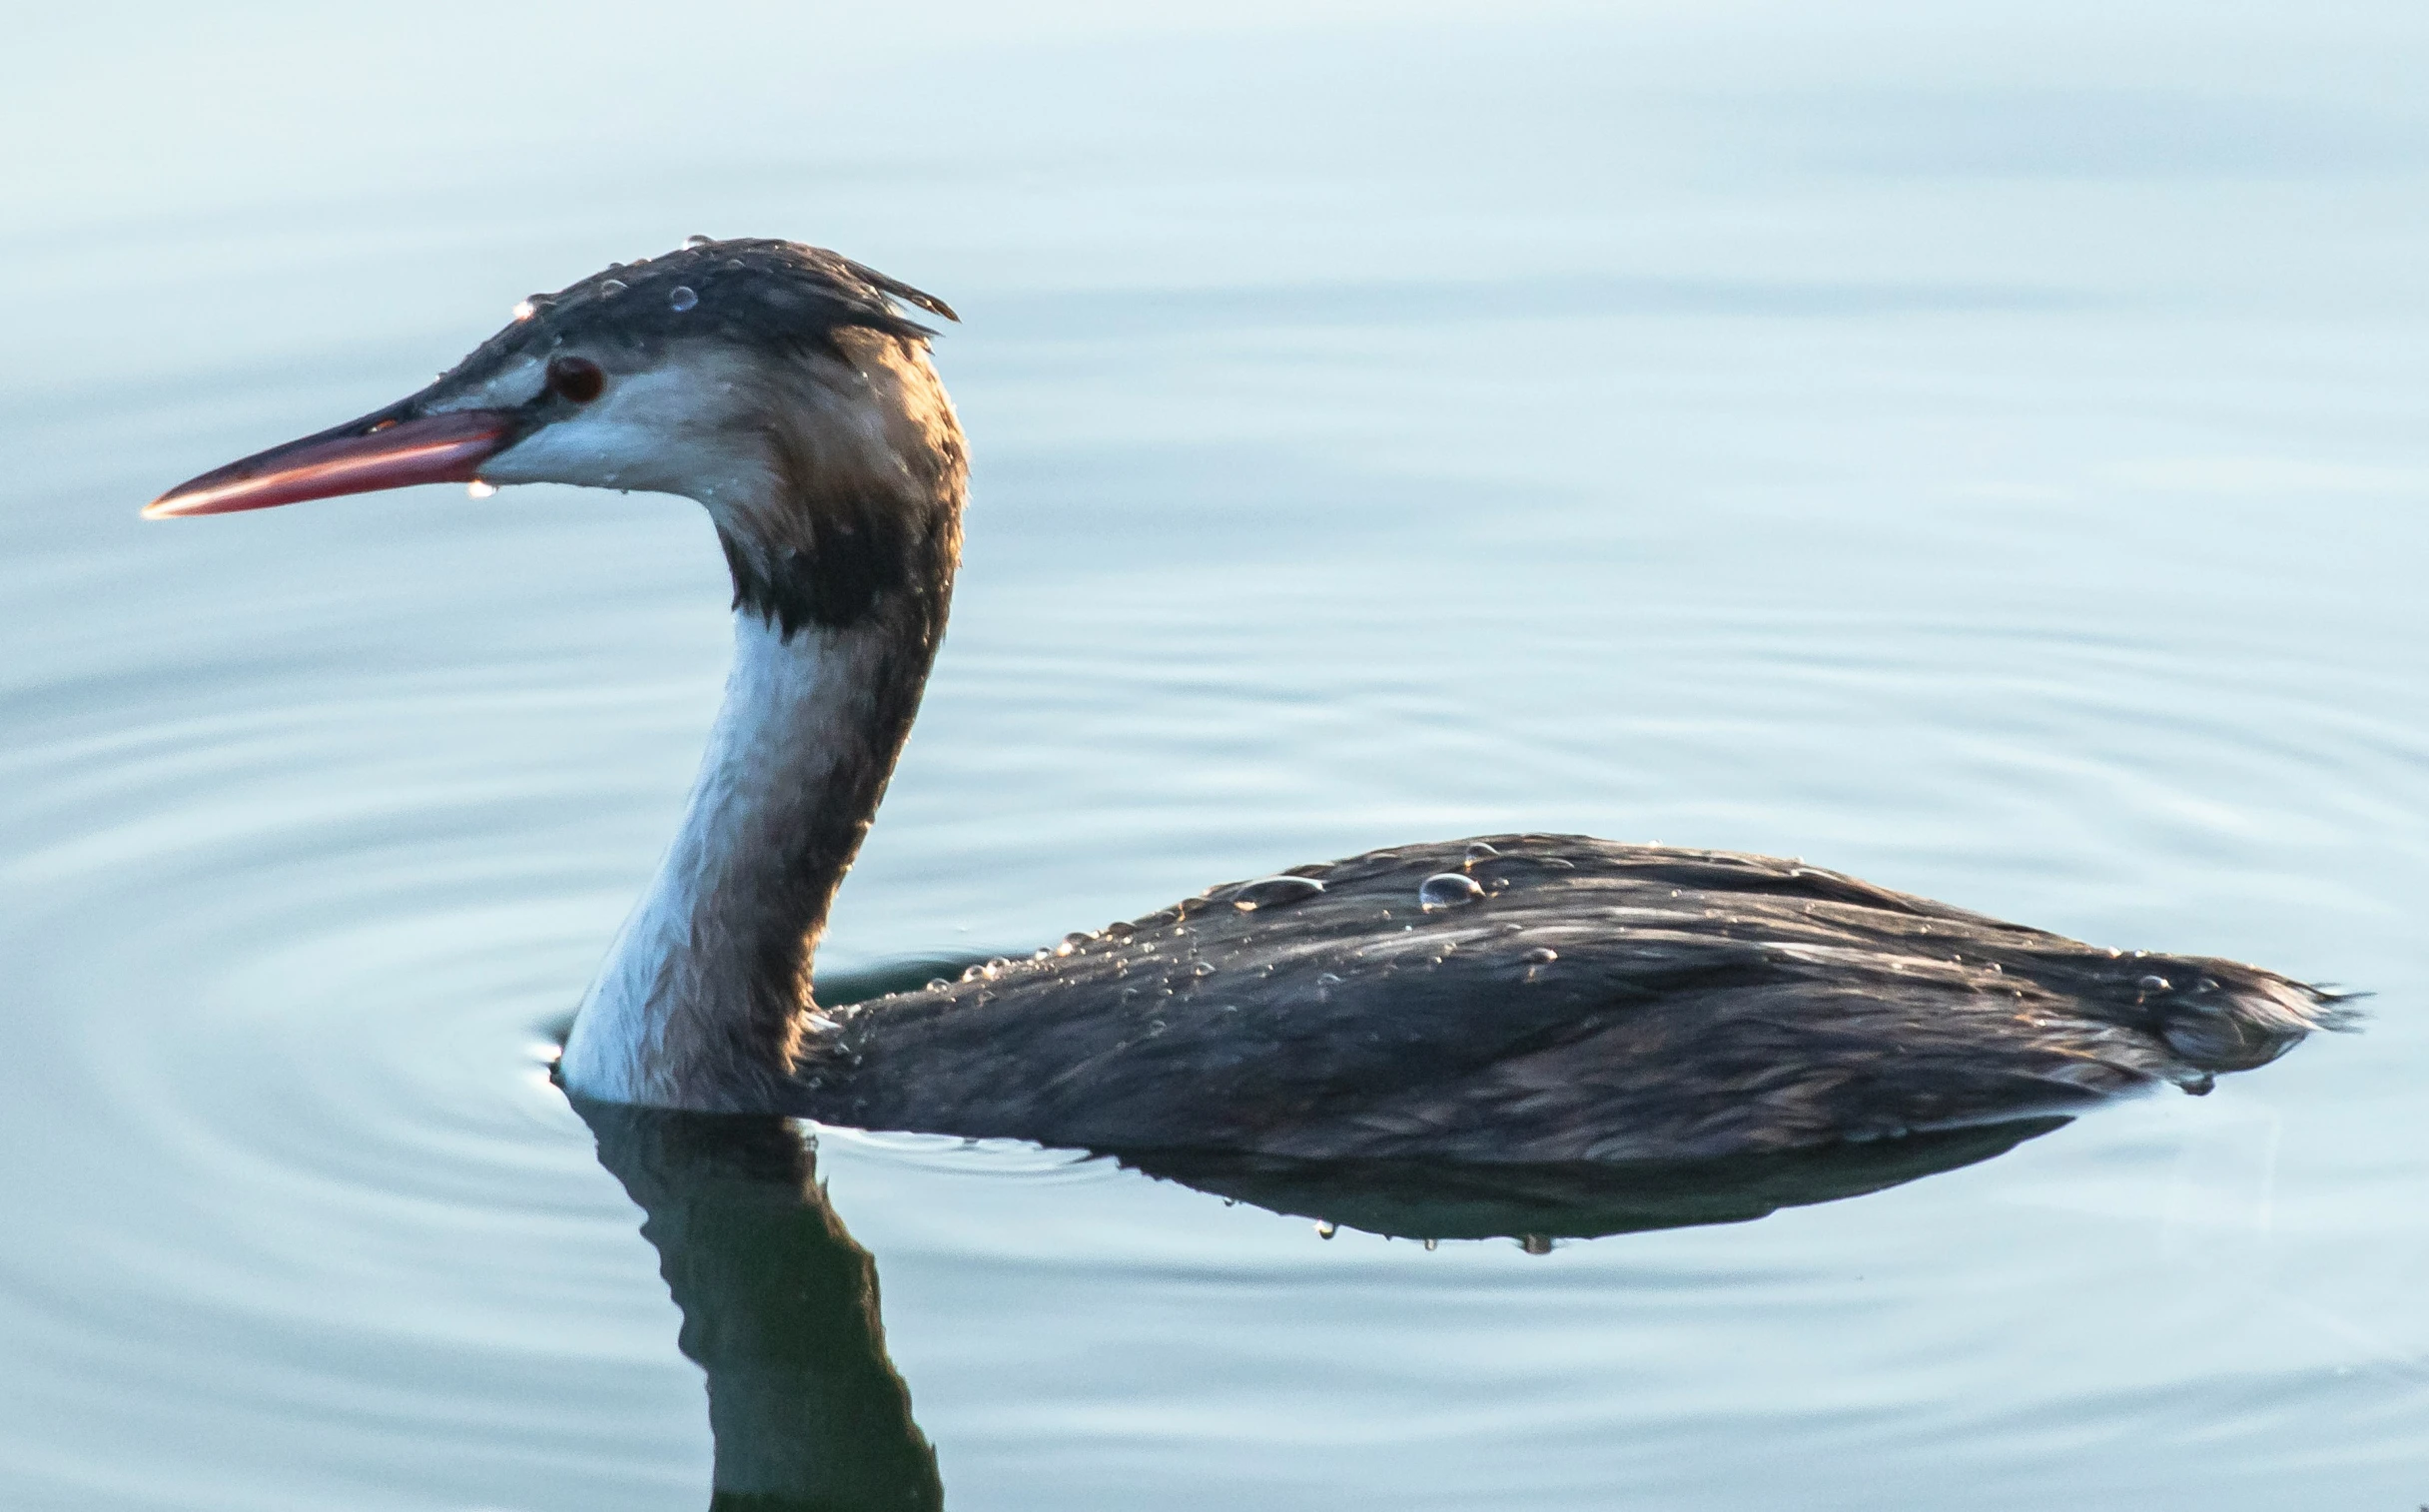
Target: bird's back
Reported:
[(1543, 998)]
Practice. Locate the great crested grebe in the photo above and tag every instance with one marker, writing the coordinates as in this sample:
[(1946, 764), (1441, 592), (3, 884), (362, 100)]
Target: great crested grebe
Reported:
[(1515, 998)]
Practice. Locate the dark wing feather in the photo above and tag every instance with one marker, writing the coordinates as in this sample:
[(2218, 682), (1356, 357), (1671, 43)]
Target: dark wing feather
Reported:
[(1597, 1001)]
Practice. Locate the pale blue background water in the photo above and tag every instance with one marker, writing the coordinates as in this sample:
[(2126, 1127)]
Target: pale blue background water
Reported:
[(1980, 447)]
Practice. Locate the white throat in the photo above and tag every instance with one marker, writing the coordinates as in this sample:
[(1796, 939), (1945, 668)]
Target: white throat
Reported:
[(699, 1002)]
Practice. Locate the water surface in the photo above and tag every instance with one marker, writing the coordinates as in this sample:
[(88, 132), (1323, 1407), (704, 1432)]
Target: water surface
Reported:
[(1978, 451)]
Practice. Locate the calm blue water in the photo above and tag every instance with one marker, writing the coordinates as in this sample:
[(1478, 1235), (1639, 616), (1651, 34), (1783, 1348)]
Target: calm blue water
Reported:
[(1977, 447)]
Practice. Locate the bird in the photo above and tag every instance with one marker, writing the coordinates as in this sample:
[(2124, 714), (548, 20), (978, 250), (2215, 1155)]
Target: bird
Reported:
[(1511, 997)]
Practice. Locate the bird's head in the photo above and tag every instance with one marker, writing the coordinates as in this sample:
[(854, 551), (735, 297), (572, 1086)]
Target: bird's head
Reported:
[(780, 385)]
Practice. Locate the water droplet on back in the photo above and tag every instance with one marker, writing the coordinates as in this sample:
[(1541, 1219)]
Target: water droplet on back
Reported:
[(695, 241), (680, 297), (2152, 983), (613, 288), (1447, 890), (1541, 954), (478, 490), (1203, 968), (525, 309), (1478, 850), (1535, 1243), (1274, 891), (935, 982), (1326, 1228)]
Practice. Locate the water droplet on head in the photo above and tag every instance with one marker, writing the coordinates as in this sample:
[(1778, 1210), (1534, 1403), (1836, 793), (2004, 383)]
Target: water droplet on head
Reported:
[(1274, 891), (935, 982), (1478, 850), (973, 973), (680, 297), (1541, 954), (695, 242), (1328, 978), (613, 288), (1447, 890), (1326, 1228), (525, 309), (2152, 983), (1535, 1243), (1429, 1246), (1202, 969), (478, 490)]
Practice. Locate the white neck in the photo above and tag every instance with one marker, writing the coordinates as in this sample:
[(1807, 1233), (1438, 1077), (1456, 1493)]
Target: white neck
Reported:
[(836, 490), (701, 999)]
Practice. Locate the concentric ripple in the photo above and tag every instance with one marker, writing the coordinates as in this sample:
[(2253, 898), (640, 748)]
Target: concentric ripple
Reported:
[(2004, 485), (293, 918)]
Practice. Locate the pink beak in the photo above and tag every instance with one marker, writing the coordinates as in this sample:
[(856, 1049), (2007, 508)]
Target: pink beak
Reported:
[(383, 450)]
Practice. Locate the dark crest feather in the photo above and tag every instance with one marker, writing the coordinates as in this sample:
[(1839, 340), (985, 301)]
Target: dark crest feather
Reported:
[(778, 297)]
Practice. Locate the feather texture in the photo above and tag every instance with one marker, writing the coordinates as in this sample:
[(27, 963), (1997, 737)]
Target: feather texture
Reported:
[(1590, 1001)]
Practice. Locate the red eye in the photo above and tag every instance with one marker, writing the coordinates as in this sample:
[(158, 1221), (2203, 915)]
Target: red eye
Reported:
[(578, 378)]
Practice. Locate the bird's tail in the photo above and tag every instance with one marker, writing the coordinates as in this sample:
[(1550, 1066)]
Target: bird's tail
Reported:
[(2220, 1015)]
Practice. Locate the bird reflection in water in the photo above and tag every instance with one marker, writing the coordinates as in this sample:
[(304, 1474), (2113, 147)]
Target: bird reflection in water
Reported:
[(780, 1305), (779, 1308)]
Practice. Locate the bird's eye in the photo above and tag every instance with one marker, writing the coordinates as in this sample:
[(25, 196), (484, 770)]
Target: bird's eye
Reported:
[(578, 378)]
